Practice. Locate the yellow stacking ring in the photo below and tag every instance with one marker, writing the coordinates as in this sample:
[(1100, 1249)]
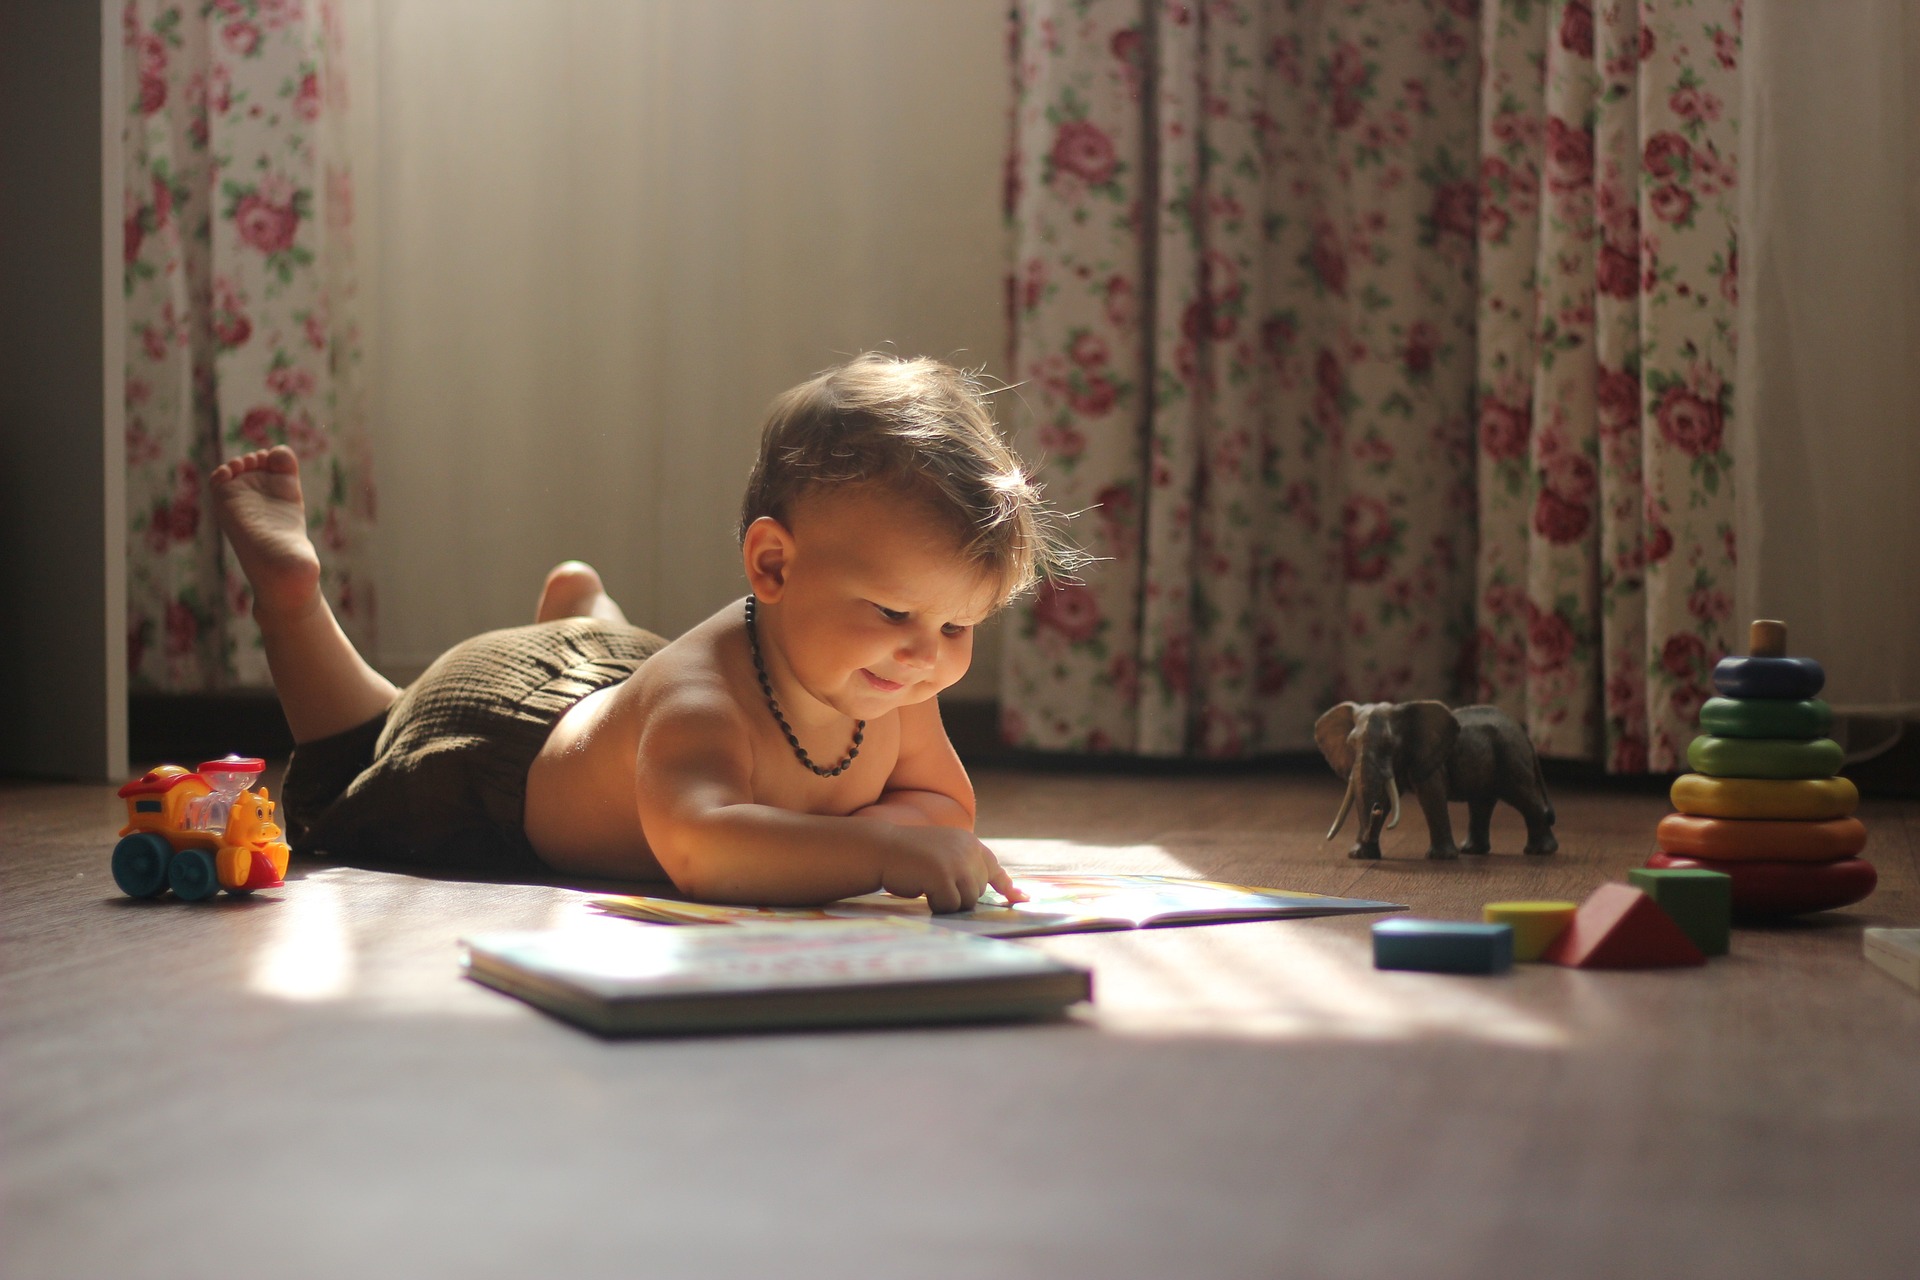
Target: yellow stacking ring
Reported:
[(1765, 757), (1815, 799), (1760, 839)]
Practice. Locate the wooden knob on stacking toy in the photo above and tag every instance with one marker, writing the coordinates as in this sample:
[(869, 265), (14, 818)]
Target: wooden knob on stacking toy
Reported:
[(1767, 638)]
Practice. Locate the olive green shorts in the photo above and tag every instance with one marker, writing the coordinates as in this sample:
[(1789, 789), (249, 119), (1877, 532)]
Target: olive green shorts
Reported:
[(439, 780)]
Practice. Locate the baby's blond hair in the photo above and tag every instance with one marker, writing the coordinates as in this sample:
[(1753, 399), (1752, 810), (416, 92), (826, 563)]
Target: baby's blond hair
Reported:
[(922, 428)]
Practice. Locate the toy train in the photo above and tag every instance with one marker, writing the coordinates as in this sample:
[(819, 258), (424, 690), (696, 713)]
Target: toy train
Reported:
[(198, 832)]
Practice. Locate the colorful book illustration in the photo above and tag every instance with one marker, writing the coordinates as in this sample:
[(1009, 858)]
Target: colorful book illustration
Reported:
[(1058, 902), (619, 981)]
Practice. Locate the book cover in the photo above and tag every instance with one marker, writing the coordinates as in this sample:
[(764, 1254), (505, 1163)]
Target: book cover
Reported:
[(1057, 902), (844, 973)]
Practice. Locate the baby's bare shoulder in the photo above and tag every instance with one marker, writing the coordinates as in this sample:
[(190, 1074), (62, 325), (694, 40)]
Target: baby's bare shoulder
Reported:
[(692, 682)]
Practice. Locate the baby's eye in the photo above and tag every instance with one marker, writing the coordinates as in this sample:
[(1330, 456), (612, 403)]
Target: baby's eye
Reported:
[(892, 615), (953, 629)]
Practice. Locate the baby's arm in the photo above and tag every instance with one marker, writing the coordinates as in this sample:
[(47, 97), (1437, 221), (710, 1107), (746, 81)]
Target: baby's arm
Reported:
[(929, 785), (697, 809)]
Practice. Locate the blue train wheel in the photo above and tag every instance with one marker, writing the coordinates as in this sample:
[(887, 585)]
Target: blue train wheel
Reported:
[(140, 864), (192, 875)]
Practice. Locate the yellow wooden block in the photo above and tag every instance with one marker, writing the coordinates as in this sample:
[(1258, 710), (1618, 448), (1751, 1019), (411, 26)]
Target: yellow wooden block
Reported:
[(1535, 924), (1810, 799)]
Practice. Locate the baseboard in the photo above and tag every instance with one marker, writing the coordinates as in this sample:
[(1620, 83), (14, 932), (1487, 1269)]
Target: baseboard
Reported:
[(186, 728)]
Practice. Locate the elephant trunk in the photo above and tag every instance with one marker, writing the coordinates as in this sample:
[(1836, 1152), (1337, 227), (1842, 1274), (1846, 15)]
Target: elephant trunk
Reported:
[(1346, 805)]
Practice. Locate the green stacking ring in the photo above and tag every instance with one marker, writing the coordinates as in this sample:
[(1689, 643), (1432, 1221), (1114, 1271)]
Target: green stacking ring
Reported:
[(1766, 718), (1764, 757)]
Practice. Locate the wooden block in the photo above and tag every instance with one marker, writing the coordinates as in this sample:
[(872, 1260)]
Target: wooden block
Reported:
[(1766, 718), (1620, 927), (1810, 799), (1765, 757), (1895, 950), (1442, 946), (1775, 890), (1768, 677), (1700, 902), (1760, 839), (1535, 924)]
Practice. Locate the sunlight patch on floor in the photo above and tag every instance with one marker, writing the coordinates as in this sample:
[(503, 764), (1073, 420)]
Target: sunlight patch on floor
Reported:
[(1289, 981), (308, 954)]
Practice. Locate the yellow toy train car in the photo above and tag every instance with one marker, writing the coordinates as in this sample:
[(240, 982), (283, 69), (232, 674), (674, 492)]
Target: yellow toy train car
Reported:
[(198, 832)]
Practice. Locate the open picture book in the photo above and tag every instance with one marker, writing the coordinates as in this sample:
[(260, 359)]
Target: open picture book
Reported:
[(1057, 902)]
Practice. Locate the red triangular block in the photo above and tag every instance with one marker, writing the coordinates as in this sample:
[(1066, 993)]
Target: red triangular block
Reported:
[(1619, 927)]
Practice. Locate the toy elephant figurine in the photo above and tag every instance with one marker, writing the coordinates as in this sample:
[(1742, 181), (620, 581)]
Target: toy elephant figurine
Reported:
[(1476, 754)]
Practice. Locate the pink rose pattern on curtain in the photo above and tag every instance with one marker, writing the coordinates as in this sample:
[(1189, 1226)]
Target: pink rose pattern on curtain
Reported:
[(240, 305), (1265, 257), (1242, 308), (1608, 280)]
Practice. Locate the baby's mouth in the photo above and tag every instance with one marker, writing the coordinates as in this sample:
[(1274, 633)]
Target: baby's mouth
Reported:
[(882, 684)]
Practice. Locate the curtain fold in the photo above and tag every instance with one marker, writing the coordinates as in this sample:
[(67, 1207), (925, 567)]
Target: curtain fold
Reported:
[(1389, 349), (241, 307)]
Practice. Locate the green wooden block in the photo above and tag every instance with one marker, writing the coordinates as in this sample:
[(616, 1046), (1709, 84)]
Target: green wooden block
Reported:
[(1700, 902)]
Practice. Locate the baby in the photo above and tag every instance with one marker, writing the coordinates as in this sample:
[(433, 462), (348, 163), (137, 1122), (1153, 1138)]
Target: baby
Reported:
[(788, 750)]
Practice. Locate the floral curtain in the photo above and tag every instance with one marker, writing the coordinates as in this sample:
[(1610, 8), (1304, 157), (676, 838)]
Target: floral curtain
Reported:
[(1297, 309), (241, 312)]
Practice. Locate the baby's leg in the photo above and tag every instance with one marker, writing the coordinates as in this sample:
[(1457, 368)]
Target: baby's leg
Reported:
[(574, 590), (325, 686)]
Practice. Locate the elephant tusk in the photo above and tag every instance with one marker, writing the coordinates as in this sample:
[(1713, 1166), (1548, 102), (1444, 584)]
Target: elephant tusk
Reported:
[(1346, 804), (1393, 791)]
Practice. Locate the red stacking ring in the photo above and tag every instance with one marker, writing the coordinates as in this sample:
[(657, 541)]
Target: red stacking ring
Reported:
[(1770, 890)]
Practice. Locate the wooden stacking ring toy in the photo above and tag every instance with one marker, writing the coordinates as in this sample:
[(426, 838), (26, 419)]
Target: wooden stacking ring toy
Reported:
[(1765, 757), (1770, 890), (1760, 839), (1753, 677), (1766, 718)]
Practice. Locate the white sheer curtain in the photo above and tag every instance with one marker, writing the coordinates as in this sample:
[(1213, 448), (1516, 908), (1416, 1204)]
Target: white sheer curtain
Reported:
[(1827, 437), (602, 235)]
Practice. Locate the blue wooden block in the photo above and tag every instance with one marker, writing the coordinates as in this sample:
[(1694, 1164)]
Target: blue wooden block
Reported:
[(1442, 946)]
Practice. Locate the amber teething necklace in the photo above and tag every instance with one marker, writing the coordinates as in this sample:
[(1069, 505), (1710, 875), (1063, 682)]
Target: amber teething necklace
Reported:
[(773, 705)]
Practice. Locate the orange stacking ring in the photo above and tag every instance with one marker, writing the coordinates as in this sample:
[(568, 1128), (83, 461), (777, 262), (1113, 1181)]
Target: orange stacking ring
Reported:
[(1759, 839), (1803, 799)]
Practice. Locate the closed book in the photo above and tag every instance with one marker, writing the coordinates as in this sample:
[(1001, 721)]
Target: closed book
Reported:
[(620, 980)]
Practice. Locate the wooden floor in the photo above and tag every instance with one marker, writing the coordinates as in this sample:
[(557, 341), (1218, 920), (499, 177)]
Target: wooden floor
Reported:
[(301, 1084)]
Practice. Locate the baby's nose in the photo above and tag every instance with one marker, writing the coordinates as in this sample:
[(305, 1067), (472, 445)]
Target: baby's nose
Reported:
[(917, 651)]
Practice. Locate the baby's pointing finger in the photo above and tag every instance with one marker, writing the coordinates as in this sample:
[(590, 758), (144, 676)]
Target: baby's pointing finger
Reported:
[(997, 877)]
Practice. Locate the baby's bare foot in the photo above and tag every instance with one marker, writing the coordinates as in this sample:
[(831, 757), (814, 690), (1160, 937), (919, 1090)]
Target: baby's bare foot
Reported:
[(258, 504), (574, 590)]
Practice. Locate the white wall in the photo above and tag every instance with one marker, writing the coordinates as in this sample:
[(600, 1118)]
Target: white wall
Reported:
[(1827, 412), (599, 236)]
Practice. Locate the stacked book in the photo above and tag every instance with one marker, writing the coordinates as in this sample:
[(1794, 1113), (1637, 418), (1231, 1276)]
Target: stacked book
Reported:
[(1765, 803)]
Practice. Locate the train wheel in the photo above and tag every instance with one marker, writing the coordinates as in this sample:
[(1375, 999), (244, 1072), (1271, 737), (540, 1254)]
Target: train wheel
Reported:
[(192, 875), (140, 864)]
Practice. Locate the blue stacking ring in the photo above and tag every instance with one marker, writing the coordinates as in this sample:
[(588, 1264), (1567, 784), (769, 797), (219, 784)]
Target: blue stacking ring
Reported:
[(1768, 677)]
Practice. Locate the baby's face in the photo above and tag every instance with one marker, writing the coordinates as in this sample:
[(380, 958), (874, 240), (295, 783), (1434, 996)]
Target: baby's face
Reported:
[(878, 606)]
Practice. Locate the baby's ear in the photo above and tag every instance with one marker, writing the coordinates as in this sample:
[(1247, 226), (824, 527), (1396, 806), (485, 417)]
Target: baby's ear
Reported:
[(766, 552)]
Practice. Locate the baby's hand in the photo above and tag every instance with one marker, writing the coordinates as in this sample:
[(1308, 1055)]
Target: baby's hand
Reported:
[(946, 865)]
